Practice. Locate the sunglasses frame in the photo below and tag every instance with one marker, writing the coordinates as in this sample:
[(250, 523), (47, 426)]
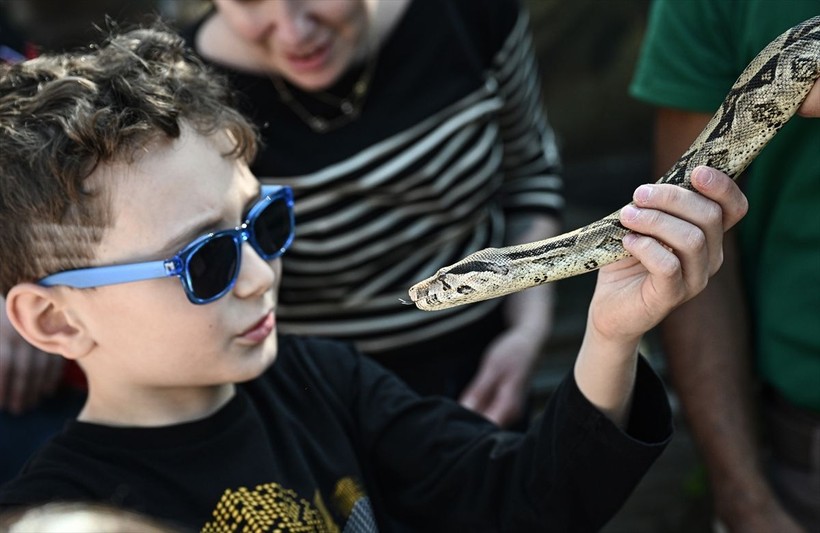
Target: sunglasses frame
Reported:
[(85, 278)]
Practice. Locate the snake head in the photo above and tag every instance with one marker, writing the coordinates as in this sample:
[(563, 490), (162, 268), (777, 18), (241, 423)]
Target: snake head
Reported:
[(456, 285)]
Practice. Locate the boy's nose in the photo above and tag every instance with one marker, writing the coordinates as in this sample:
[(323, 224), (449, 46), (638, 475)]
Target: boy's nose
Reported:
[(256, 276)]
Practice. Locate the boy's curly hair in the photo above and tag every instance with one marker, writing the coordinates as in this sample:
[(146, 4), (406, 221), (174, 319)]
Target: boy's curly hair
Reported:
[(63, 115)]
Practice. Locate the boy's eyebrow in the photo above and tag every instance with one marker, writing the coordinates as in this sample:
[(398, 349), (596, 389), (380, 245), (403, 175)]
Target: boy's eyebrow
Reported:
[(176, 243), (204, 227)]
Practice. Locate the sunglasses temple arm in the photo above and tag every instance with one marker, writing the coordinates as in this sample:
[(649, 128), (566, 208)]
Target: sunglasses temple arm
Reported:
[(85, 278)]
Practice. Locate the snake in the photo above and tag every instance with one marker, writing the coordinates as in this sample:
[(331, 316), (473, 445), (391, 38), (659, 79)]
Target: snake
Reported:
[(765, 96)]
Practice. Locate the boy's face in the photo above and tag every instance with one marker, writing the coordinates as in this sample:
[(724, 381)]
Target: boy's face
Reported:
[(147, 334)]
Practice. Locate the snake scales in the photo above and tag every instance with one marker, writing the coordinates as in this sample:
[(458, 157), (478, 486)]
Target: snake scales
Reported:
[(764, 97)]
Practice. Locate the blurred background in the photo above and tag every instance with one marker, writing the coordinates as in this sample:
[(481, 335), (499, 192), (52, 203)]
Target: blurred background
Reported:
[(587, 51)]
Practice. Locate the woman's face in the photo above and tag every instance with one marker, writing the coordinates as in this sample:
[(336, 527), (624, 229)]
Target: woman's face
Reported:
[(308, 42)]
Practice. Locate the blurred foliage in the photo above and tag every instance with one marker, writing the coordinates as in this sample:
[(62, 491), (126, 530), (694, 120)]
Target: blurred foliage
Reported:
[(66, 24), (587, 50)]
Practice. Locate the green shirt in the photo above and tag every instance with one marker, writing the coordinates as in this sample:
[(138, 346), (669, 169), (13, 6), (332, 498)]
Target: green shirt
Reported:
[(692, 54)]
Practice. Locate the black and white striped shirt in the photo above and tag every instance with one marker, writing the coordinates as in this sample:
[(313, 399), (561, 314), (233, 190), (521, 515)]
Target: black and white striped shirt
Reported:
[(451, 144)]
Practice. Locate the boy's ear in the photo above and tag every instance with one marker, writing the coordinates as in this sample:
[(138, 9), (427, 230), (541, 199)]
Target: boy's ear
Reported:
[(41, 318)]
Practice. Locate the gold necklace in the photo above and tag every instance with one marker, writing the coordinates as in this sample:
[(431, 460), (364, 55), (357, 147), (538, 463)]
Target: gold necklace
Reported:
[(350, 106)]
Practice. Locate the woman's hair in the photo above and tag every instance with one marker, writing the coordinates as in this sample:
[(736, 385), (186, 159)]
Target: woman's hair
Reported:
[(63, 115)]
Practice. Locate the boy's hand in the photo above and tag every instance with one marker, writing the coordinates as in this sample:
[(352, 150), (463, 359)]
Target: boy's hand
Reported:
[(677, 245)]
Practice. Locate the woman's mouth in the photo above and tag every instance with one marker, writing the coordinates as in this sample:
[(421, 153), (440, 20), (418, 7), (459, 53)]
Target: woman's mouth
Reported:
[(313, 60), (261, 330)]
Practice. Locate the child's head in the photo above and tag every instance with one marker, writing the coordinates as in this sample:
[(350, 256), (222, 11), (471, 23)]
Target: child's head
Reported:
[(124, 156), (63, 116)]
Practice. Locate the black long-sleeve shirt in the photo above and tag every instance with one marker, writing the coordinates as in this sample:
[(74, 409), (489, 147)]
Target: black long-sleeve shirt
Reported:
[(326, 440)]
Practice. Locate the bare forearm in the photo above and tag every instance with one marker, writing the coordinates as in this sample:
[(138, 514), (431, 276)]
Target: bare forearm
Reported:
[(706, 338), (605, 374), (706, 341), (707, 345)]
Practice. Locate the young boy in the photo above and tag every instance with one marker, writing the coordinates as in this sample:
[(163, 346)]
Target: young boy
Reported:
[(114, 161)]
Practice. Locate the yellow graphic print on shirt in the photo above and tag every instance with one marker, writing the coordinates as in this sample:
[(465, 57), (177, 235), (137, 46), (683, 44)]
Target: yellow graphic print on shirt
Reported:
[(345, 496), (270, 507)]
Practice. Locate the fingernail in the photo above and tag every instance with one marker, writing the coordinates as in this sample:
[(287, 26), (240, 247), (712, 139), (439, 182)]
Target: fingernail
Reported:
[(643, 193), (630, 212), (703, 175)]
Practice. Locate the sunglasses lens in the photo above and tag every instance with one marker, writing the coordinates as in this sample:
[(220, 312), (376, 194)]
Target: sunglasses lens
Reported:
[(272, 228), (212, 268)]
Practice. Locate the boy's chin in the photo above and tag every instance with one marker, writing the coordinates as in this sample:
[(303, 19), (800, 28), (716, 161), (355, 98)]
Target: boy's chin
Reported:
[(262, 357)]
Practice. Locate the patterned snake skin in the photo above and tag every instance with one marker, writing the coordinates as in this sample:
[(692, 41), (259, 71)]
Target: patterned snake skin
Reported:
[(764, 97)]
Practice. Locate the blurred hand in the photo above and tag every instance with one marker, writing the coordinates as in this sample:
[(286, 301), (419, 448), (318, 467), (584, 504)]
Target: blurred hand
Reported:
[(500, 387), (811, 105), (27, 375), (760, 518)]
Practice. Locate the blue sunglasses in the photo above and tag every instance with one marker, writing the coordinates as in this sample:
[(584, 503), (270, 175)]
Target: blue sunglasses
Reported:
[(209, 265)]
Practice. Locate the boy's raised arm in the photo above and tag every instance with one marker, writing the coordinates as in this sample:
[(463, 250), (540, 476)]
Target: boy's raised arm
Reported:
[(676, 246)]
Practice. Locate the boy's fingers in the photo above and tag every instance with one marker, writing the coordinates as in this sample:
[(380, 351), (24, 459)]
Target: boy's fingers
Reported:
[(698, 254), (720, 188), (694, 207), (683, 219), (660, 262)]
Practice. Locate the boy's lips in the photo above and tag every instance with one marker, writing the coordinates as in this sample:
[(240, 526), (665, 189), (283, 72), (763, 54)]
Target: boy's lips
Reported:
[(261, 330)]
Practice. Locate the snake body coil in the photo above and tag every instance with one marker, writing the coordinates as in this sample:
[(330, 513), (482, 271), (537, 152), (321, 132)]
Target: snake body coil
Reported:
[(764, 97)]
